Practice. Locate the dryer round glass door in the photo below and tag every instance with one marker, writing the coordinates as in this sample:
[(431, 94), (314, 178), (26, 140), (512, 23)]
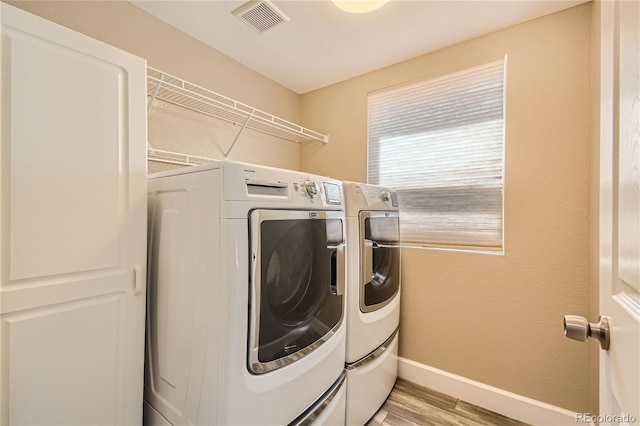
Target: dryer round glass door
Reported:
[(380, 259), (297, 284)]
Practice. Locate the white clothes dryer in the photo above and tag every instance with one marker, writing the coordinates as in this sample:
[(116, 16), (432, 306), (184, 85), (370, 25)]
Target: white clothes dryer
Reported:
[(246, 297), (373, 297)]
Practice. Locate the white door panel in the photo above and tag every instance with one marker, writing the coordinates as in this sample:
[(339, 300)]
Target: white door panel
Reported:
[(60, 223), (39, 339), (629, 145)]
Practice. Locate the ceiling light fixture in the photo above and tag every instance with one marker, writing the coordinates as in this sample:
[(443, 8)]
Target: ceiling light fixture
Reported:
[(359, 6)]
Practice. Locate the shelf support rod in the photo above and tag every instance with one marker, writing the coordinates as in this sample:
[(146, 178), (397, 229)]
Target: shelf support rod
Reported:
[(244, 126), (153, 98), (155, 92)]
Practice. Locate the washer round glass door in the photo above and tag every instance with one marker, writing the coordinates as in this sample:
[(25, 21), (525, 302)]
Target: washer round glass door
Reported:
[(380, 259), (297, 285)]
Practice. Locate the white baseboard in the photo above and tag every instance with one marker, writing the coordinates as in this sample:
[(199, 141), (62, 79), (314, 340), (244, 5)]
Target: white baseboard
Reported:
[(509, 404)]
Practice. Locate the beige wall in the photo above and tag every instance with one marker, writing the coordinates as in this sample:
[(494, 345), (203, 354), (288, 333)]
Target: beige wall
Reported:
[(129, 28), (498, 319)]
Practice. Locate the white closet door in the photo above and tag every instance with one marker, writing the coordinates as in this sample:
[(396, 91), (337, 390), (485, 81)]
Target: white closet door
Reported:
[(72, 226)]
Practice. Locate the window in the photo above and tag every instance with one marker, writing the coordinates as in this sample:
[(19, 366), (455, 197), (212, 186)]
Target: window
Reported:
[(440, 144)]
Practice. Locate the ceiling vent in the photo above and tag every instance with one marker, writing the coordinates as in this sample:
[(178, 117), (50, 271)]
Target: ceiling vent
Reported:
[(260, 15)]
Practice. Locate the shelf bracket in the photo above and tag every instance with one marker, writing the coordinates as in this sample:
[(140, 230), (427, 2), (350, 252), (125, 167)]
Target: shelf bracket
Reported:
[(155, 92), (244, 126)]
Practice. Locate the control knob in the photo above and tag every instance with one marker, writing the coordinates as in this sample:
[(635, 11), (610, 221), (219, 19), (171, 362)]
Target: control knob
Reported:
[(311, 188), (385, 196)]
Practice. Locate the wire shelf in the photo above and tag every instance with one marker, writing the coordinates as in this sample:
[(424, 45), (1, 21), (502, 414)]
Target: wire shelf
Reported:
[(171, 157), (174, 90)]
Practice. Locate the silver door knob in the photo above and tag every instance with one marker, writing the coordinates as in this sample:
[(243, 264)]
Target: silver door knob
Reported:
[(578, 328)]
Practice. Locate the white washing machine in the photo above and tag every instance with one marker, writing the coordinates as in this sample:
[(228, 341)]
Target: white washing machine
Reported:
[(373, 297), (246, 297)]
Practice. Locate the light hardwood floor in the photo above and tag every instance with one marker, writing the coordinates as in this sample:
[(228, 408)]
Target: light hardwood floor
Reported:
[(411, 405)]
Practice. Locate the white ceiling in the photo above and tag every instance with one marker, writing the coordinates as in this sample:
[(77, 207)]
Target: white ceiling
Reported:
[(321, 45)]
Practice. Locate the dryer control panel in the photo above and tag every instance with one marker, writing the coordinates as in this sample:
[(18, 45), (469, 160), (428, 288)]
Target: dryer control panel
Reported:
[(376, 196), (363, 196)]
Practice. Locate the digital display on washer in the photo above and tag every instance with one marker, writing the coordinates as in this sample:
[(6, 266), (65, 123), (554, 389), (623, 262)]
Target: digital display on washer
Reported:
[(332, 192)]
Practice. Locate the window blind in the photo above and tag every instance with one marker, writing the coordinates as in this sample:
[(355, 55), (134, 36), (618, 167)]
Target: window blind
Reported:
[(440, 144)]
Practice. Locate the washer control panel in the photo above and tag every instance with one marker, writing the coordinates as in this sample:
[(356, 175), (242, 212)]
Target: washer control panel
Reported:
[(289, 189), (329, 192)]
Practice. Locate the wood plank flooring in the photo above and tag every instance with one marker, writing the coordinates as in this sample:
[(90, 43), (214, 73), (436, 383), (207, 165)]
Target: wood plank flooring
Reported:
[(413, 405)]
